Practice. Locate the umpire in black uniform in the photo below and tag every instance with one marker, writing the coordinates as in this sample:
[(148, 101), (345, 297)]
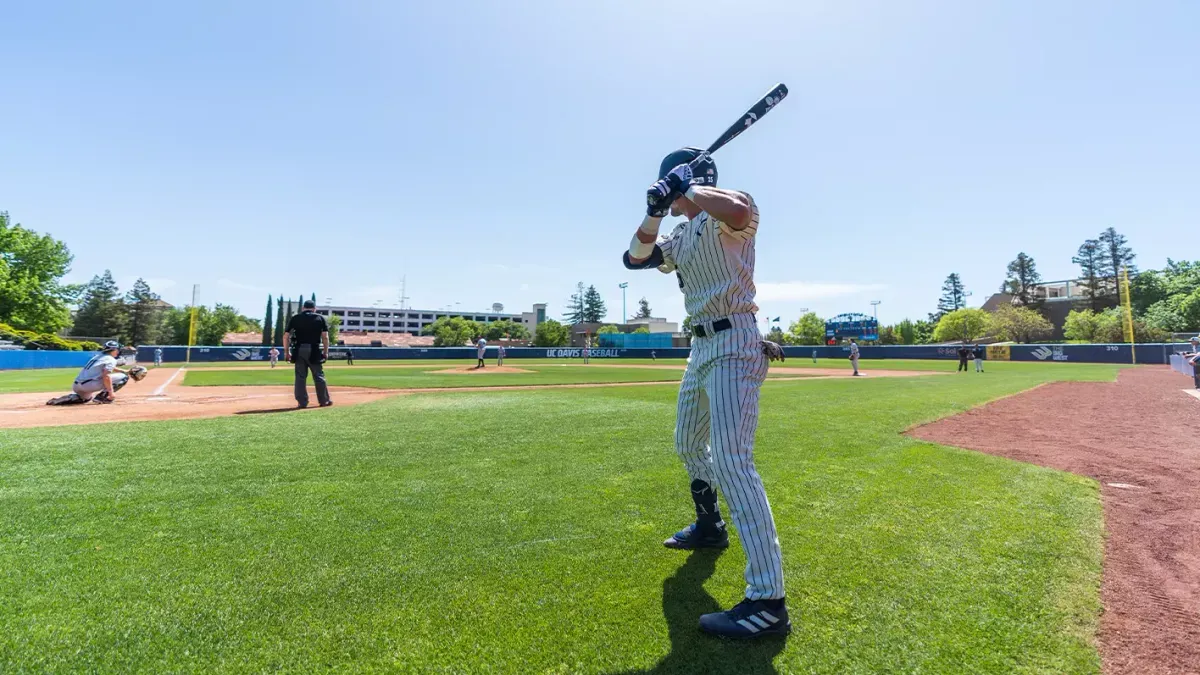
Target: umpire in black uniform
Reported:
[(308, 336)]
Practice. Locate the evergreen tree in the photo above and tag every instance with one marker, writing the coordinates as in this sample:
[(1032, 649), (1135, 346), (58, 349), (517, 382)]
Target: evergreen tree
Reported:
[(145, 319), (643, 310), (594, 309), (1114, 256), (575, 307), (267, 332), (287, 315), (1022, 278), (314, 297), (102, 310), (1089, 260), (953, 297), (279, 323)]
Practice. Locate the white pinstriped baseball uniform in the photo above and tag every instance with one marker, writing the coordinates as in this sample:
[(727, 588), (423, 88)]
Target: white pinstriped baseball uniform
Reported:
[(718, 400)]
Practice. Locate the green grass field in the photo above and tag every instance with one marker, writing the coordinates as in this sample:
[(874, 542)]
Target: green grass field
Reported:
[(519, 532)]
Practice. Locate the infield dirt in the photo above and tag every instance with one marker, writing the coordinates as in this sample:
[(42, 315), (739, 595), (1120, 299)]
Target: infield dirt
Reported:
[(1140, 438)]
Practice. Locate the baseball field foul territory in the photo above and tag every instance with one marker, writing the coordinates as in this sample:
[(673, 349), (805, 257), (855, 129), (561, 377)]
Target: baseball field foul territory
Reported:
[(712, 254)]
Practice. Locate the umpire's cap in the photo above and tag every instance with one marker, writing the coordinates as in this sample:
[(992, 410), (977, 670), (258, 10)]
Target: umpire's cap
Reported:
[(309, 304), (704, 174)]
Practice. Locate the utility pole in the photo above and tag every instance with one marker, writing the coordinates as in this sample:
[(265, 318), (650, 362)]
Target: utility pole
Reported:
[(875, 306), (403, 295), (624, 314)]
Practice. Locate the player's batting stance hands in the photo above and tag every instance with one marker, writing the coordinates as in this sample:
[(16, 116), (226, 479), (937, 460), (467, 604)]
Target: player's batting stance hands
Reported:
[(773, 351)]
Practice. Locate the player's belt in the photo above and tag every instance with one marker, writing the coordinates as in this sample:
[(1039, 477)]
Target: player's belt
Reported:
[(716, 327)]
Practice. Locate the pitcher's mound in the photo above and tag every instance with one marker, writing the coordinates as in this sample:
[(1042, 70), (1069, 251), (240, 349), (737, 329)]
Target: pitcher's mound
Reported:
[(472, 370)]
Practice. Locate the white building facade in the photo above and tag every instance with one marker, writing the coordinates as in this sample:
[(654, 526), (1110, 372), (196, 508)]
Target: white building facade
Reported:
[(393, 320)]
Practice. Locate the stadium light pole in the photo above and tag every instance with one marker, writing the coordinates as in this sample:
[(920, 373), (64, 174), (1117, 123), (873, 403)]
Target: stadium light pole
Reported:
[(875, 305), (624, 314)]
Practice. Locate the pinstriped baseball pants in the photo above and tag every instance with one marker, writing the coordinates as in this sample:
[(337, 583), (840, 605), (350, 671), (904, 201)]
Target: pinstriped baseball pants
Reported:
[(714, 435)]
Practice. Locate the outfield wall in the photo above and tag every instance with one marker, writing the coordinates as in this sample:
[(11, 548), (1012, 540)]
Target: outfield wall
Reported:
[(22, 359), (1119, 353)]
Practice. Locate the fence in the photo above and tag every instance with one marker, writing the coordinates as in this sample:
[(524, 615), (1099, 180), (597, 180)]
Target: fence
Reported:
[(1118, 353), (1181, 365), (635, 340), (26, 359)]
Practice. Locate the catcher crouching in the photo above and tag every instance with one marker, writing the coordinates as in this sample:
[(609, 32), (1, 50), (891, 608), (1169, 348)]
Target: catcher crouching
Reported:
[(101, 379)]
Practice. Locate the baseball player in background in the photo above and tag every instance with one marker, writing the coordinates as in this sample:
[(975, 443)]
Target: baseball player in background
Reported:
[(587, 352), (713, 255), (157, 357), (480, 350), (273, 354), (100, 379), (977, 352), (499, 355), (854, 355), (1193, 358)]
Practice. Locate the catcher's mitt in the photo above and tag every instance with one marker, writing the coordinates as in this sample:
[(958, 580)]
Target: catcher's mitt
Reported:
[(138, 373)]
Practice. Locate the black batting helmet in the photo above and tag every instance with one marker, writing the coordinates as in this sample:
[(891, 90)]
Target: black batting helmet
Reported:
[(704, 174)]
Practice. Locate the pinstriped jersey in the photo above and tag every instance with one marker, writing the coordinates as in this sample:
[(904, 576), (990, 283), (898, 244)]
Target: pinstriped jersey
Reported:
[(96, 367), (716, 270)]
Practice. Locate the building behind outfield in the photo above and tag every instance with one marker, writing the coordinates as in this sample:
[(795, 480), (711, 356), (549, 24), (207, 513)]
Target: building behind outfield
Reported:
[(397, 320)]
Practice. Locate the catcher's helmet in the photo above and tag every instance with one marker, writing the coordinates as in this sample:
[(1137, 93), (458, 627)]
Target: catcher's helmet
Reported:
[(704, 174), (111, 345)]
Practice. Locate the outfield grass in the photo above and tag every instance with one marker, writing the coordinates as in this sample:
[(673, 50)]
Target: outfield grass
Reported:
[(519, 532), (419, 378), (41, 379)]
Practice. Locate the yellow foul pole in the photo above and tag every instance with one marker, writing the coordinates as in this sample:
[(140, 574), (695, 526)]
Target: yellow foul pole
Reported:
[(1127, 314), (192, 324)]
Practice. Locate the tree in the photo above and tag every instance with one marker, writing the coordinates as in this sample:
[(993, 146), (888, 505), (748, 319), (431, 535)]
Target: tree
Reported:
[(314, 297), (213, 324), (1022, 278), (1020, 324), (267, 320), (953, 296), (505, 328), (1089, 260), (907, 332), (453, 331), (1146, 289), (32, 296), (594, 310), (1115, 256), (1188, 307), (643, 311), (1164, 316), (776, 335), (809, 329), (279, 324), (607, 328), (923, 332), (288, 314), (145, 314), (641, 330), (887, 336), (102, 310), (1083, 325), (963, 325), (575, 306), (335, 326), (551, 333)]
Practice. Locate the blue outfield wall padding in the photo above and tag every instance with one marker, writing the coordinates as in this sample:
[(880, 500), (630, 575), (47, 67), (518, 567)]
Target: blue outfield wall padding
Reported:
[(13, 359), (1119, 353)]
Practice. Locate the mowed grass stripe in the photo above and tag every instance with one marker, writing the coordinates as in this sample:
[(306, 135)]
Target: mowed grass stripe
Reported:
[(519, 532)]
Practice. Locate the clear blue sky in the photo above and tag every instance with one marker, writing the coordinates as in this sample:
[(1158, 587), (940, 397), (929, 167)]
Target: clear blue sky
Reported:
[(499, 152)]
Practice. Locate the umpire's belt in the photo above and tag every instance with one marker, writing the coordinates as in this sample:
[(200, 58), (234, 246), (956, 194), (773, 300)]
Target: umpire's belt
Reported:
[(715, 327)]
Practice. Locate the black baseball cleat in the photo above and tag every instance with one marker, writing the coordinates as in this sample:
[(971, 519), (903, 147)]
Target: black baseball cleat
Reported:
[(326, 404), (103, 397), (694, 536), (749, 619)]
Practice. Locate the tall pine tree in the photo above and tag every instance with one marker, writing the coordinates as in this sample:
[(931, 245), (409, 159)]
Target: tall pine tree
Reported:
[(594, 309), (643, 311), (1022, 278), (102, 311), (145, 318), (953, 296), (279, 324), (1089, 260), (575, 307), (267, 321), (1115, 256), (314, 297)]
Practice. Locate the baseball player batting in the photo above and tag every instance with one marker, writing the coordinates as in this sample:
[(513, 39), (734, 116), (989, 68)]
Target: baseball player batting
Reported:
[(712, 254)]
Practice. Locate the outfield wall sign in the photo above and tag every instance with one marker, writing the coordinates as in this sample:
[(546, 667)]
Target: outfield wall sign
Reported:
[(578, 353)]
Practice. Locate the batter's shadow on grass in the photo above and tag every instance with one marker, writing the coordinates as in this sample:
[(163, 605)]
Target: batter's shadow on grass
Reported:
[(692, 652)]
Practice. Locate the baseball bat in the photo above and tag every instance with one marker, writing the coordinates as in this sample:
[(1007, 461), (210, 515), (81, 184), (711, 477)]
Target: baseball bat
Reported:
[(754, 114)]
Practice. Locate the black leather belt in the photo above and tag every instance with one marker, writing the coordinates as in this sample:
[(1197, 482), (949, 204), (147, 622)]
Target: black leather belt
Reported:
[(717, 326)]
